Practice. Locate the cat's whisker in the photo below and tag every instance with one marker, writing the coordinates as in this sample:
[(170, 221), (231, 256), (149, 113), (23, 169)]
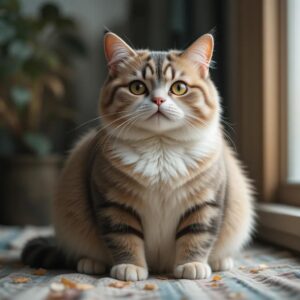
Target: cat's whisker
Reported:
[(228, 125), (130, 124), (118, 129), (136, 117), (197, 119), (190, 124), (115, 137), (96, 119), (117, 120), (110, 136), (107, 126), (230, 140)]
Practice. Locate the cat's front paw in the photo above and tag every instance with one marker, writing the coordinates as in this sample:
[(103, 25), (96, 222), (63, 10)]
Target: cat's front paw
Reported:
[(192, 270), (222, 264), (129, 272)]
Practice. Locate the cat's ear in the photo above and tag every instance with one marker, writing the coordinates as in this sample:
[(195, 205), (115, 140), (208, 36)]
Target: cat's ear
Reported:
[(200, 53), (116, 50)]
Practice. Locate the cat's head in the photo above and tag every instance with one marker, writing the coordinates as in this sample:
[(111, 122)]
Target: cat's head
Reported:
[(151, 92)]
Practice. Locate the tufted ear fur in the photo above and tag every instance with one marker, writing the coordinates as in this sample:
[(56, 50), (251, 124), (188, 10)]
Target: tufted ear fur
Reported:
[(200, 53), (116, 50)]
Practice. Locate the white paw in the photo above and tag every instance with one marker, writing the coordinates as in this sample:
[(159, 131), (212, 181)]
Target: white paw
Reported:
[(128, 272), (223, 264), (192, 270), (90, 266)]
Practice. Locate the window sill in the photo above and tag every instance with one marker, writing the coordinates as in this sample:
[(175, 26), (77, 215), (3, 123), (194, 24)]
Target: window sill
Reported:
[(279, 224)]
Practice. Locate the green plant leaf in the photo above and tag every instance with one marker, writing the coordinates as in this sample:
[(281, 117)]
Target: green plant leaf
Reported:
[(21, 96), (52, 60), (8, 66), (20, 50), (49, 12), (10, 5), (35, 67), (7, 31), (38, 143)]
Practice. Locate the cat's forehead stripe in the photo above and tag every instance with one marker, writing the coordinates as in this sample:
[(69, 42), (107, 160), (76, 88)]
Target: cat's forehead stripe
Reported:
[(158, 58), (169, 72), (147, 71)]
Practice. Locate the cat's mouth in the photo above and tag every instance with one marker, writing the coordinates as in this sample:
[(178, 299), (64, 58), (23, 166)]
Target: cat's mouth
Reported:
[(158, 114)]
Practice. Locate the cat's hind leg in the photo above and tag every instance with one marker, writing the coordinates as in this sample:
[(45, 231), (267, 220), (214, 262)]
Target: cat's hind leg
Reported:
[(238, 222), (90, 266)]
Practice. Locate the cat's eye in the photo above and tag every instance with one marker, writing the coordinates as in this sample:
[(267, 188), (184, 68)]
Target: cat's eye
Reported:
[(137, 87), (179, 88)]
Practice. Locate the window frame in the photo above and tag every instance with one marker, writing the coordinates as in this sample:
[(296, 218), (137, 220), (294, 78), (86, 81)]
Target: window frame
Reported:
[(258, 53), (259, 97), (289, 193)]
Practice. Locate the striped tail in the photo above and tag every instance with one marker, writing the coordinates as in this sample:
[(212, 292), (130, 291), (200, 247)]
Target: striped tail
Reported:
[(43, 252)]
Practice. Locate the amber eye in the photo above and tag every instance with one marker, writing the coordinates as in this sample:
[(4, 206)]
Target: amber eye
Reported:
[(137, 87), (179, 88)]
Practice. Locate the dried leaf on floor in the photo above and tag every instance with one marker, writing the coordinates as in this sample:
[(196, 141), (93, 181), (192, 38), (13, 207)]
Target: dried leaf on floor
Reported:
[(84, 286), (236, 296), (260, 267), (75, 285), (21, 279), (120, 284), (216, 278), (39, 272), (162, 277), (68, 283), (214, 285), (150, 287)]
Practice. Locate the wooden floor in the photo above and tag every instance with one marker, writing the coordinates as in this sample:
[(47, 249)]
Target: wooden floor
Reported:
[(261, 272)]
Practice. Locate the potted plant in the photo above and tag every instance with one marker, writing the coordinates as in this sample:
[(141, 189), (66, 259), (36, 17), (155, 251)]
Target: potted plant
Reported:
[(35, 69)]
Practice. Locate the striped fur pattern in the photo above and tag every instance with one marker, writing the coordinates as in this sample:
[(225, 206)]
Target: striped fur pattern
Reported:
[(156, 188)]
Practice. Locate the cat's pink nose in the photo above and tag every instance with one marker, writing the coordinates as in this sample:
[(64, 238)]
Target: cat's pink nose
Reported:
[(158, 100)]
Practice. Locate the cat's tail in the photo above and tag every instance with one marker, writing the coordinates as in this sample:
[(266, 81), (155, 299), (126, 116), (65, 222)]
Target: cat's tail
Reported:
[(43, 252)]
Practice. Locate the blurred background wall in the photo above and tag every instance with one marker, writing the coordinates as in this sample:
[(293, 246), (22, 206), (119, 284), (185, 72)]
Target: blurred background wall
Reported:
[(153, 24)]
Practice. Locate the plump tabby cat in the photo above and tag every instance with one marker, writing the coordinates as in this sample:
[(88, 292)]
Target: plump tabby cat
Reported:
[(156, 188)]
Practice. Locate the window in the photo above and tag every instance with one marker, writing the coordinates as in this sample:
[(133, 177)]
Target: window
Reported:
[(293, 89), (290, 137), (266, 108)]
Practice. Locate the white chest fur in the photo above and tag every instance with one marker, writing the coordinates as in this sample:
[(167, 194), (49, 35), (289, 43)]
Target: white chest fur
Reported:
[(162, 160)]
